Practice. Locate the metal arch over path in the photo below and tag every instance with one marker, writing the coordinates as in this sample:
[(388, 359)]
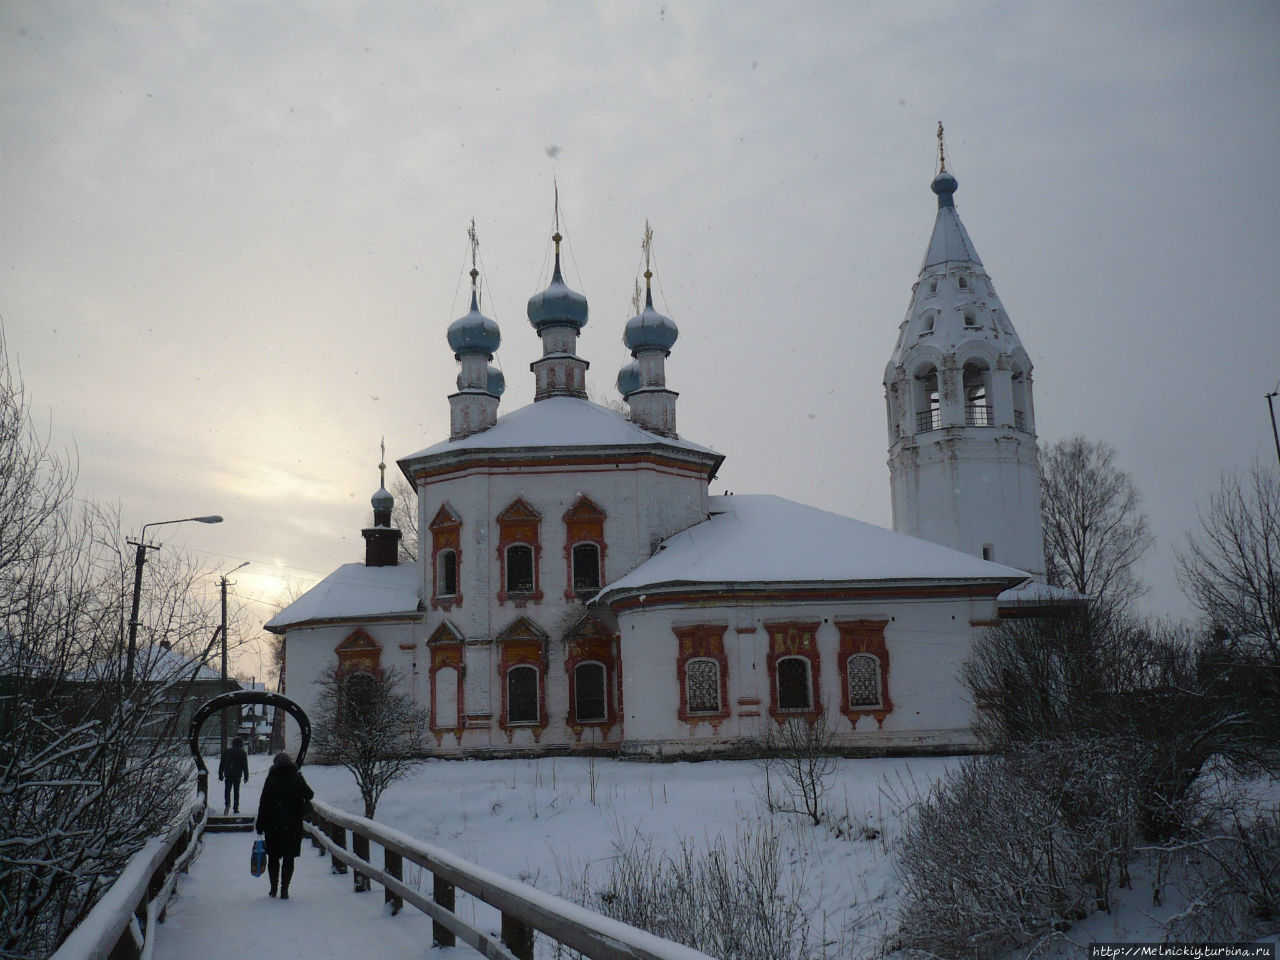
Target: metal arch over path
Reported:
[(236, 697)]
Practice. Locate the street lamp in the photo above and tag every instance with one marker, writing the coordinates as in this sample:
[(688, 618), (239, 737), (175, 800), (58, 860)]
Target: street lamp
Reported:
[(139, 559), (223, 688)]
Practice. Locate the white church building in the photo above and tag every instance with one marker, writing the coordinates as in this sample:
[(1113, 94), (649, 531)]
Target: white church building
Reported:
[(578, 588)]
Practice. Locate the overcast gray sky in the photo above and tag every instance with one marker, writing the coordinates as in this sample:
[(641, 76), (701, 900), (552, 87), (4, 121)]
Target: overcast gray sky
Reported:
[(232, 234)]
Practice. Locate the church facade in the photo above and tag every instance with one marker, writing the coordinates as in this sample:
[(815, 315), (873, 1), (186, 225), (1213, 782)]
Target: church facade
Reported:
[(577, 587)]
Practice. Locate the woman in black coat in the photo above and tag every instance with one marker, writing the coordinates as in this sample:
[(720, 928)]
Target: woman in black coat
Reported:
[(280, 810)]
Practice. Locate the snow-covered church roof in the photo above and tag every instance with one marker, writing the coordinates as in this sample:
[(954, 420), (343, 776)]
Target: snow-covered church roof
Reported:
[(558, 422), (764, 539), (354, 591)]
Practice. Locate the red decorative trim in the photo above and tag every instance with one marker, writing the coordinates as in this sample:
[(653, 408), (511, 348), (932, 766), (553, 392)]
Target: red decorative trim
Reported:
[(562, 464), (584, 523), (701, 642), (519, 523), (523, 643), (590, 642), (863, 636), (715, 594), (446, 534), (357, 652), (794, 639)]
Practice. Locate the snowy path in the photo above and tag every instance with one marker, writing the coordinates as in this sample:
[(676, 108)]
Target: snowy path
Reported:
[(221, 911)]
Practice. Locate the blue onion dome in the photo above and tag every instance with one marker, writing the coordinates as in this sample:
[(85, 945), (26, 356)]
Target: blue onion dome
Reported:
[(382, 500), (944, 185), (629, 379), (557, 305), (650, 330), (497, 383), (474, 333)]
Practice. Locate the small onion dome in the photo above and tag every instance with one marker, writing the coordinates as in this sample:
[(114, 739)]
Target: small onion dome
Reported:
[(629, 379), (944, 185), (474, 333), (557, 305), (382, 501), (496, 381), (650, 330)]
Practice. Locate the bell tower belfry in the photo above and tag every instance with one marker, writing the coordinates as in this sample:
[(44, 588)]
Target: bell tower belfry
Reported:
[(962, 441)]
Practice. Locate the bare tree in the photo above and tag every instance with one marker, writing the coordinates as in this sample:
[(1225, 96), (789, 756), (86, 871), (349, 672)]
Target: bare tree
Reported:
[(800, 749), (1230, 569), (404, 516), (1094, 527), (89, 767), (364, 723)]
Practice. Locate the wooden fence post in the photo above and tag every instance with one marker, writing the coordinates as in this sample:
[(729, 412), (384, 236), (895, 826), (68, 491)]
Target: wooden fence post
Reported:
[(393, 863), (442, 893), (360, 847), (339, 837), (518, 937)]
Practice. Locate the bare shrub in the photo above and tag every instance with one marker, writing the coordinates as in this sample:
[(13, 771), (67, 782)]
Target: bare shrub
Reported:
[(736, 901), (1006, 850), (366, 724), (1228, 865), (798, 754)]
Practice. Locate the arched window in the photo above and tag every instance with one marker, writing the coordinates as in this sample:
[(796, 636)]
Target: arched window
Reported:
[(589, 692), (926, 323), (522, 694), (933, 286), (977, 406), (794, 692), (447, 573), (864, 681), (963, 281), (1020, 400), (928, 402), (519, 568), (359, 699), (586, 566), (702, 686), (970, 320)]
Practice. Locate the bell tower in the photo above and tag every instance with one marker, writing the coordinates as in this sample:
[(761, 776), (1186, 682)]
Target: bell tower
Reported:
[(962, 440)]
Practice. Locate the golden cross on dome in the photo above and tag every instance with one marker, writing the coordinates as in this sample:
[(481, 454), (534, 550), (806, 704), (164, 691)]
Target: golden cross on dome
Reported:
[(647, 246), (942, 154), (382, 466)]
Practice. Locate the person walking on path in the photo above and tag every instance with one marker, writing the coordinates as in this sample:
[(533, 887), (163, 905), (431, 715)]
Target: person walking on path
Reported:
[(280, 810), (233, 765)]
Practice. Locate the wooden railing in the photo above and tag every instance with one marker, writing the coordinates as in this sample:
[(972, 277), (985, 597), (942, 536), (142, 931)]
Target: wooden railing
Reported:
[(122, 924), (524, 909)]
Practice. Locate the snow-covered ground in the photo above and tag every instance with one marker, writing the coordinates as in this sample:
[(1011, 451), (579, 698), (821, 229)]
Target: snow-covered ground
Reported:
[(537, 821)]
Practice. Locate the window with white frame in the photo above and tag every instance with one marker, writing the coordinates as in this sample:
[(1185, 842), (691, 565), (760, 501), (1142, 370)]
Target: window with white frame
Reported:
[(702, 686), (522, 694), (864, 681), (794, 689)]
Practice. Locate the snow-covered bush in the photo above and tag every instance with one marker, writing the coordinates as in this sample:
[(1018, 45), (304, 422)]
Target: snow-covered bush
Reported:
[(1227, 867), (1007, 849), (735, 901), (366, 723)]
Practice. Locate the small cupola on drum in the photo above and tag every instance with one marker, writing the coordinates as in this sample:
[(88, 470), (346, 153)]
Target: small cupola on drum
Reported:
[(649, 336), (382, 540), (558, 314), (474, 339)]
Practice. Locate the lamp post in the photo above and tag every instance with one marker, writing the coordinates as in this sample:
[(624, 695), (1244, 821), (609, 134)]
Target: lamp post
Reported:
[(1274, 433), (223, 689), (139, 559)]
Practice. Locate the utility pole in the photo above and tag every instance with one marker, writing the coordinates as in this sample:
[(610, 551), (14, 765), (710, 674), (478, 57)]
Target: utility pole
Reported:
[(139, 561), (223, 688), (1274, 433)]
